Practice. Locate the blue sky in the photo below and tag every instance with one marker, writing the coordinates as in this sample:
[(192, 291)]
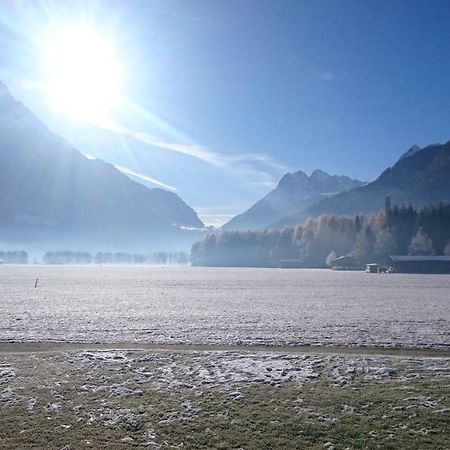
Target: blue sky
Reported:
[(229, 95)]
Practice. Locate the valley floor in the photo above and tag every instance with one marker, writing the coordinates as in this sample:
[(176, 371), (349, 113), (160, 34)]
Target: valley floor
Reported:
[(173, 398), (141, 357)]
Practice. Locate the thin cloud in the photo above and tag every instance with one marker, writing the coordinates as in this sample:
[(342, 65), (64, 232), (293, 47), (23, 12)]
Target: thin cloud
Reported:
[(268, 183), (259, 167), (132, 173)]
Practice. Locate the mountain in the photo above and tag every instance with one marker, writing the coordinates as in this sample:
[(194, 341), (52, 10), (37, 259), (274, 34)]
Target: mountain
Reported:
[(410, 152), (294, 193), (50, 191), (420, 177)]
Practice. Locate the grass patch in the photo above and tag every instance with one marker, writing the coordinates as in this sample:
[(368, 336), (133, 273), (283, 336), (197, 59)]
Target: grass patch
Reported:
[(163, 400)]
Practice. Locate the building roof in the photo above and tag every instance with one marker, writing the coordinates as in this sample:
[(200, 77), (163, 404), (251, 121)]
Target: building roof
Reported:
[(395, 258)]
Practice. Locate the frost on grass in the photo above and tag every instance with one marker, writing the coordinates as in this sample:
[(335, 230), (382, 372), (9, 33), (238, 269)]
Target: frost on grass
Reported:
[(6, 372), (191, 371), (190, 399), (224, 306), (231, 369), (8, 395)]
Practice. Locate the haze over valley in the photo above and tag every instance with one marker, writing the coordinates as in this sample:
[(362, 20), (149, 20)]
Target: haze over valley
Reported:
[(64, 199)]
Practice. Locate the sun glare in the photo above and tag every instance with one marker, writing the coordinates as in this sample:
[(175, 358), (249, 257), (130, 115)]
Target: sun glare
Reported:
[(82, 73)]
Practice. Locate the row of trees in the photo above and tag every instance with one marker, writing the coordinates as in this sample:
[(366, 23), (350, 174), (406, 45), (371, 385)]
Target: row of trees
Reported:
[(398, 231), (14, 257), (157, 258)]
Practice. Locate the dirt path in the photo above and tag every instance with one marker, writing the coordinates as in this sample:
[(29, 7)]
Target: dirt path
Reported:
[(32, 347)]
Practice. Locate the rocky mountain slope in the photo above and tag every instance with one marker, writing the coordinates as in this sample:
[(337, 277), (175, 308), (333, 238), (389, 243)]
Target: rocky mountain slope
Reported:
[(295, 192), (419, 177)]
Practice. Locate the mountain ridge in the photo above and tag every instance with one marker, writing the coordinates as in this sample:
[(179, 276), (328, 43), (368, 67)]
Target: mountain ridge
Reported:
[(419, 178), (49, 187), (294, 192)]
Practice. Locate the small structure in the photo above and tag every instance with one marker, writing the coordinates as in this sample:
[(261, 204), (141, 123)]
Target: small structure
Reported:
[(420, 264), (376, 268), (2, 262), (346, 263)]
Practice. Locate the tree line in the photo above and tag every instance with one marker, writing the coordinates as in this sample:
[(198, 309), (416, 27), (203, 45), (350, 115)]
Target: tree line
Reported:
[(78, 257), (14, 257), (368, 238)]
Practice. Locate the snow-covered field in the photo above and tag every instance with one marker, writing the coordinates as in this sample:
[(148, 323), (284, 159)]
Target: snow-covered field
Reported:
[(223, 306)]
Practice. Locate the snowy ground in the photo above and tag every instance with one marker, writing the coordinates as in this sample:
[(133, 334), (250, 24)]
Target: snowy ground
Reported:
[(141, 399), (224, 306), (66, 398)]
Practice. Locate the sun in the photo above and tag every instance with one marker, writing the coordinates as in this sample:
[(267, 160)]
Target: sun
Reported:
[(82, 73)]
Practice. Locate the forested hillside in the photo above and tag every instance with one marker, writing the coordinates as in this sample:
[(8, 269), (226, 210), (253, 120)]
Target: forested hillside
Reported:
[(402, 231)]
